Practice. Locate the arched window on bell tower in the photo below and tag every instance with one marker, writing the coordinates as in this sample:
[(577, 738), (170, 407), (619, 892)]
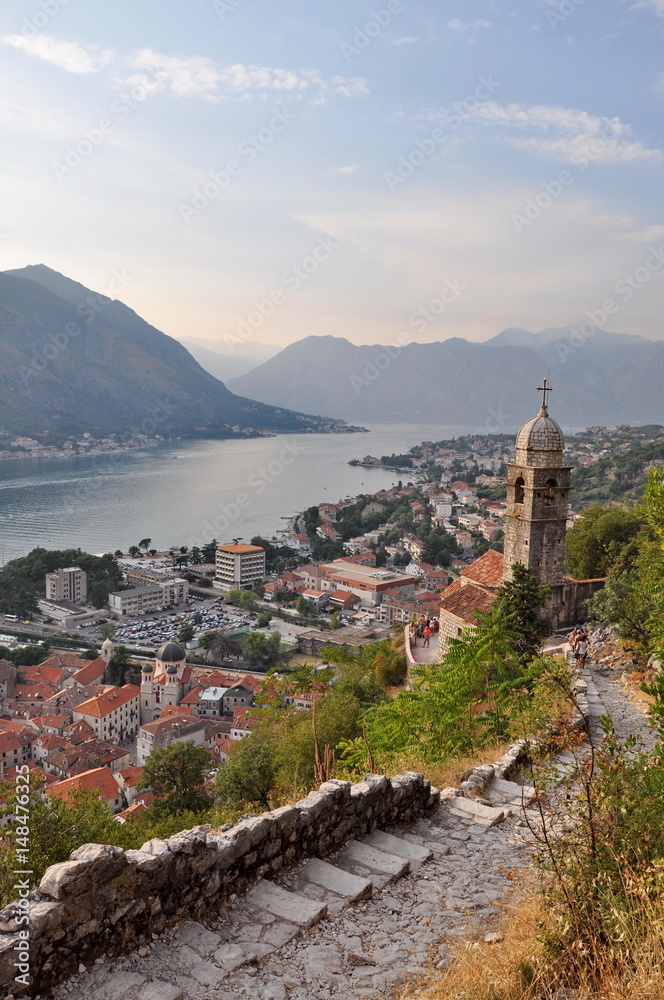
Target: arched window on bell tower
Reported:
[(519, 492), (550, 487)]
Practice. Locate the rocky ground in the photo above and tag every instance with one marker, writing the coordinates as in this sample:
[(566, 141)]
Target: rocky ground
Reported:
[(372, 917)]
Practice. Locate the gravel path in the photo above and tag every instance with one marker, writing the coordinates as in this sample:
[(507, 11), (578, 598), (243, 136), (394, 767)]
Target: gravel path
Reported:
[(627, 718)]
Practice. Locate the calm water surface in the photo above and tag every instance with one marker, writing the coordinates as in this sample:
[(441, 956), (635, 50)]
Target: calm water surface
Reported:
[(191, 491)]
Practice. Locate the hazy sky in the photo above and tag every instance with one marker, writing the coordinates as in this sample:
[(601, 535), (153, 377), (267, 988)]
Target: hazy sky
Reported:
[(331, 167)]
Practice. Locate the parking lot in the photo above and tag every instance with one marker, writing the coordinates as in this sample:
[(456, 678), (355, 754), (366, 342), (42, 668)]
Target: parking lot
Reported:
[(156, 627)]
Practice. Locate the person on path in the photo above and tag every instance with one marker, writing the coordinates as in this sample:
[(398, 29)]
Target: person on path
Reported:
[(427, 636), (582, 650)]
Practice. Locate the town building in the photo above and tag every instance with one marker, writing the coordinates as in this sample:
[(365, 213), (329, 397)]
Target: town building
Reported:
[(166, 682), (238, 566), (150, 598), (99, 780), (114, 714), (171, 729), (69, 584)]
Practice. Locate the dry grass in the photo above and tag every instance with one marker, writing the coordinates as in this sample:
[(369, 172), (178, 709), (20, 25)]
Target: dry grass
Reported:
[(444, 774), (517, 968)]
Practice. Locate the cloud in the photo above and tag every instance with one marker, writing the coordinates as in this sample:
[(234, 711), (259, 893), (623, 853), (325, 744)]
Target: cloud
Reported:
[(350, 169), (649, 234), (69, 56), (406, 40), (657, 6), (465, 26), (196, 77), (565, 134)]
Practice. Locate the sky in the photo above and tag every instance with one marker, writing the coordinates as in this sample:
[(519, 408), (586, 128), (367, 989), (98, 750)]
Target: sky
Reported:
[(245, 170)]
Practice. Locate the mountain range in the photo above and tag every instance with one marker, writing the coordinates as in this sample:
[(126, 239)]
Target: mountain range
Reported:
[(73, 361), (600, 378)]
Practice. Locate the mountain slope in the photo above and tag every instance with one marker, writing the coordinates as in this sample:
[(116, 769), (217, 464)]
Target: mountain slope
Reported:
[(72, 361), (610, 378)]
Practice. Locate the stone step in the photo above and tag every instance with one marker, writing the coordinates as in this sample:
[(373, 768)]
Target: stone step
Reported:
[(402, 848), (432, 842), (286, 905), (509, 792), (476, 811), (331, 885), (361, 859)]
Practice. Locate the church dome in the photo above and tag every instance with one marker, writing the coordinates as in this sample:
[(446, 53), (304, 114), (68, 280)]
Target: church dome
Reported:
[(172, 670), (147, 668), (171, 652), (542, 433)]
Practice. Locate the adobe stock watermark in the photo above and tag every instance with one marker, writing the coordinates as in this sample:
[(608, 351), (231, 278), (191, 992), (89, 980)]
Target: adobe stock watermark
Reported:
[(292, 279), (425, 148), (420, 319), (43, 15), (551, 190), (246, 151), (23, 871), (257, 483), (625, 288), (562, 12), (55, 343), (365, 34), (224, 7), (92, 138)]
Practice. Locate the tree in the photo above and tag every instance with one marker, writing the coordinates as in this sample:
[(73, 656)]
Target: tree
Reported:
[(601, 539), (196, 555), (133, 551), (209, 551), (249, 775), (219, 646), (186, 633), (106, 630), (304, 607), (145, 544), (261, 650), (518, 606), (91, 653), (264, 619), (336, 621), (119, 664), (176, 774)]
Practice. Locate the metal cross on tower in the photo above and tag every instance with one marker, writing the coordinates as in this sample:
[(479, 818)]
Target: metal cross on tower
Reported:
[(544, 388)]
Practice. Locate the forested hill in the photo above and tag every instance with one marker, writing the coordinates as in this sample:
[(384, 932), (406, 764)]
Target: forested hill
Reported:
[(620, 477), (73, 361)]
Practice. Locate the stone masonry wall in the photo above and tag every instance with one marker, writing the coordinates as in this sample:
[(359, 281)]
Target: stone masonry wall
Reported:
[(106, 901)]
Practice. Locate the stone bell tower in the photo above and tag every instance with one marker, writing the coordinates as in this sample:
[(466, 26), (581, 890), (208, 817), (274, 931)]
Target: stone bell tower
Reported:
[(537, 502)]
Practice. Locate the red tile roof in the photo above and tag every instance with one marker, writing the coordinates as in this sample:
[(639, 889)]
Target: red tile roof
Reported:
[(466, 601), (98, 779), (111, 699), (42, 673), (487, 570), (91, 672)]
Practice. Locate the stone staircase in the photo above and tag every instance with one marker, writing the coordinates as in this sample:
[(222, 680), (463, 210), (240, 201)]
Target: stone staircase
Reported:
[(358, 924), (377, 914)]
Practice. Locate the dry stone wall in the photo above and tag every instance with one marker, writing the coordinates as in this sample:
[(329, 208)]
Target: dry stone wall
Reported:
[(106, 901)]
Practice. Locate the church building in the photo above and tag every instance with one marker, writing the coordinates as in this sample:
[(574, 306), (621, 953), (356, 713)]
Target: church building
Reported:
[(165, 683), (538, 484)]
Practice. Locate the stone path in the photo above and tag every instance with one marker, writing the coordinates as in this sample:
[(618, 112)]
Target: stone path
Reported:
[(362, 922)]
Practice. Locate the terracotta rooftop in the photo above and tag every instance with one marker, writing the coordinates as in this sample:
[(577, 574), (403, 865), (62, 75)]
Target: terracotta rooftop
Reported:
[(467, 601), (43, 674), (487, 570), (239, 548), (98, 779), (111, 699), (90, 673)]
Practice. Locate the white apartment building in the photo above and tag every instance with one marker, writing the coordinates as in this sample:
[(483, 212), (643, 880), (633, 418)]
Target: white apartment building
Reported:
[(141, 599), (69, 584), (238, 566)]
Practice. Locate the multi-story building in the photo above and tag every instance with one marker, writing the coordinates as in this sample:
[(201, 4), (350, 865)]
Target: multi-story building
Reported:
[(113, 715), (238, 566), (69, 584), (141, 599), (170, 729)]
